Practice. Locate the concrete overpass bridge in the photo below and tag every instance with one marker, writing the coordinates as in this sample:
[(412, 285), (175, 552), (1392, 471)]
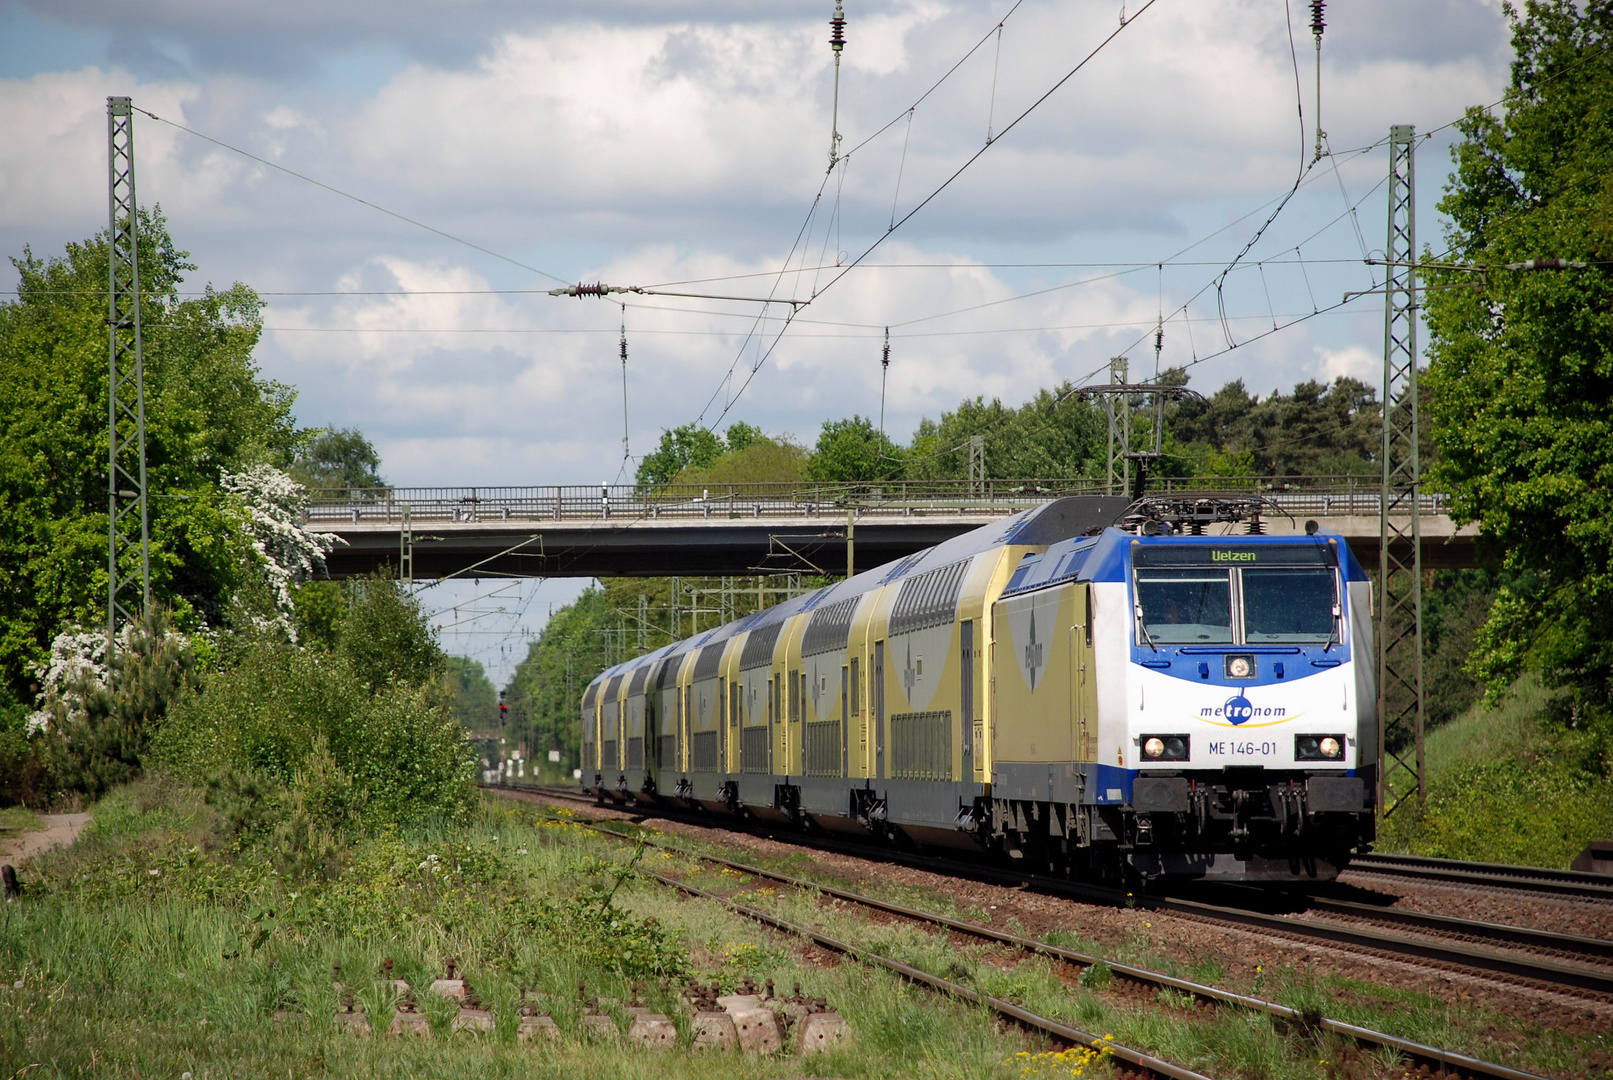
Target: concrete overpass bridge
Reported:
[(748, 529)]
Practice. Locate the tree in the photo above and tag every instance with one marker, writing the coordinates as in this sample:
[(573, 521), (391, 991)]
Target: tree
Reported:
[(207, 411), (338, 458), (475, 700), (683, 447), (1319, 429), (854, 450), (1519, 391)]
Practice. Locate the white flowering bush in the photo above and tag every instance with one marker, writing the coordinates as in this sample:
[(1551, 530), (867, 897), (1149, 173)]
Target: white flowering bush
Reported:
[(76, 669), (271, 512), (97, 712)]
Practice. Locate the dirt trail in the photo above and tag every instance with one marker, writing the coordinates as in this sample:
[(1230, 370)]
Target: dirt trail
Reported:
[(60, 829)]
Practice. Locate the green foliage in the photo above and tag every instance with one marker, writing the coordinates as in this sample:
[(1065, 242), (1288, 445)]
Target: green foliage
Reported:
[(364, 733), (337, 458), (1055, 434), (545, 692), (1537, 812), (1508, 784), (1519, 389), (99, 734), (740, 435), (1319, 429), (758, 460), (207, 410), (854, 450), (321, 612), (475, 700), (385, 637), (683, 447), (1456, 604)]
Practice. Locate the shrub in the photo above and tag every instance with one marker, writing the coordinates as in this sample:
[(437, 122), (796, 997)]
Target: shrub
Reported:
[(362, 734), (100, 717), (1538, 812)]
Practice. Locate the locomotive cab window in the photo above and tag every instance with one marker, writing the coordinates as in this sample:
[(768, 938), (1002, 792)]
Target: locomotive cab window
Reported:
[(1290, 606), (1184, 606), (1271, 595)]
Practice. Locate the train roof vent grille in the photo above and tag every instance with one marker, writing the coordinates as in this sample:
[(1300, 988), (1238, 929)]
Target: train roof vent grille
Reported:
[(612, 689), (635, 685), (710, 661), (668, 671), (928, 599), (829, 629), (590, 695), (759, 647)]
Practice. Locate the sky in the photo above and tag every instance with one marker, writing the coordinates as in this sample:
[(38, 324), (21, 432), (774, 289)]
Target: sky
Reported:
[(504, 148)]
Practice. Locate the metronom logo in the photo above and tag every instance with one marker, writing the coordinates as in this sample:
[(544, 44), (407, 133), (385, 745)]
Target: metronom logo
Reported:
[(1240, 710)]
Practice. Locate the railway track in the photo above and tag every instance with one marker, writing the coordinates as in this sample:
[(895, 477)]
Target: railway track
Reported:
[(1443, 1059), (1578, 972), (1492, 875)]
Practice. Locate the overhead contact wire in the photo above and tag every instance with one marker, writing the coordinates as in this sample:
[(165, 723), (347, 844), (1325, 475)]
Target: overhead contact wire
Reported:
[(349, 195)]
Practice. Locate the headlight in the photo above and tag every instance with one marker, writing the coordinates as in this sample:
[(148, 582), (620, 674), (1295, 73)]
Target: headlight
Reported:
[(1240, 666), (1318, 747), (1165, 748)]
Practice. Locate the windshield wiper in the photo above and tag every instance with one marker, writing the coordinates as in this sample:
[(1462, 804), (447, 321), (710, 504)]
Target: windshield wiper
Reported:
[(1333, 634), (1142, 628)]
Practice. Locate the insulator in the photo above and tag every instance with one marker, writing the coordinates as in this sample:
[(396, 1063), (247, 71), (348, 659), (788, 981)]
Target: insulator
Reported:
[(1159, 339), (585, 289), (837, 30), (1317, 25), (885, 360), (624, 350)]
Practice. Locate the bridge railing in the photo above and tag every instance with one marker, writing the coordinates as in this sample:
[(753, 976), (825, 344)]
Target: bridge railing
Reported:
[(1311, 495)]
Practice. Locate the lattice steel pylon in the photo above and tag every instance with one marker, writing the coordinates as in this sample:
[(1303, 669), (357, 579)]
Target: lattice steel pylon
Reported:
[(1400, 559), (1117, 411), (128, 560)]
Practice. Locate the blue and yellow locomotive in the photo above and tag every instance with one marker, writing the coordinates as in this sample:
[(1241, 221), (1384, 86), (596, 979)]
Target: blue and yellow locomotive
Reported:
[(1077, 697)]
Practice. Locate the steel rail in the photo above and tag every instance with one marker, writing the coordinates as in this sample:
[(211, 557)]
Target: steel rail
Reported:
[(1044, 1024), (1528, 937), (1499, 875), (1416, 1050), (1464, 955)]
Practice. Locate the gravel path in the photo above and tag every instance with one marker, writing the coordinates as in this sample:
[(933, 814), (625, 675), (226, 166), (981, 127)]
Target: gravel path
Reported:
[(59, 830)]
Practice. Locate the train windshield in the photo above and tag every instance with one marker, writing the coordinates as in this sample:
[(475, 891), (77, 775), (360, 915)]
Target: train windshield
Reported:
[(1294, 606), (1185, 607)]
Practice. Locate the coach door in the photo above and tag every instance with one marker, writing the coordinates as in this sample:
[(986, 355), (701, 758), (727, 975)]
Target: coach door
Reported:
[(966, 694), (879, 709), (1083, 686)]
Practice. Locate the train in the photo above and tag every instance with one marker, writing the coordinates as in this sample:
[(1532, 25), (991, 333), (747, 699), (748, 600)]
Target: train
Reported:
[(1120, 699)]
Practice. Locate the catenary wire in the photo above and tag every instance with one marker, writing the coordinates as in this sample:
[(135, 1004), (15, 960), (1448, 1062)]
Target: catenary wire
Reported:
[(349, 195)]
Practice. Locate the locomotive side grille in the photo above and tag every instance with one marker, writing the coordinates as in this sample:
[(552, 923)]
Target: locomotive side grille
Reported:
[(753, 749), (703, 751), (635, 753), (921, 745), (608, 758), (669, 753), (822, 748)]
